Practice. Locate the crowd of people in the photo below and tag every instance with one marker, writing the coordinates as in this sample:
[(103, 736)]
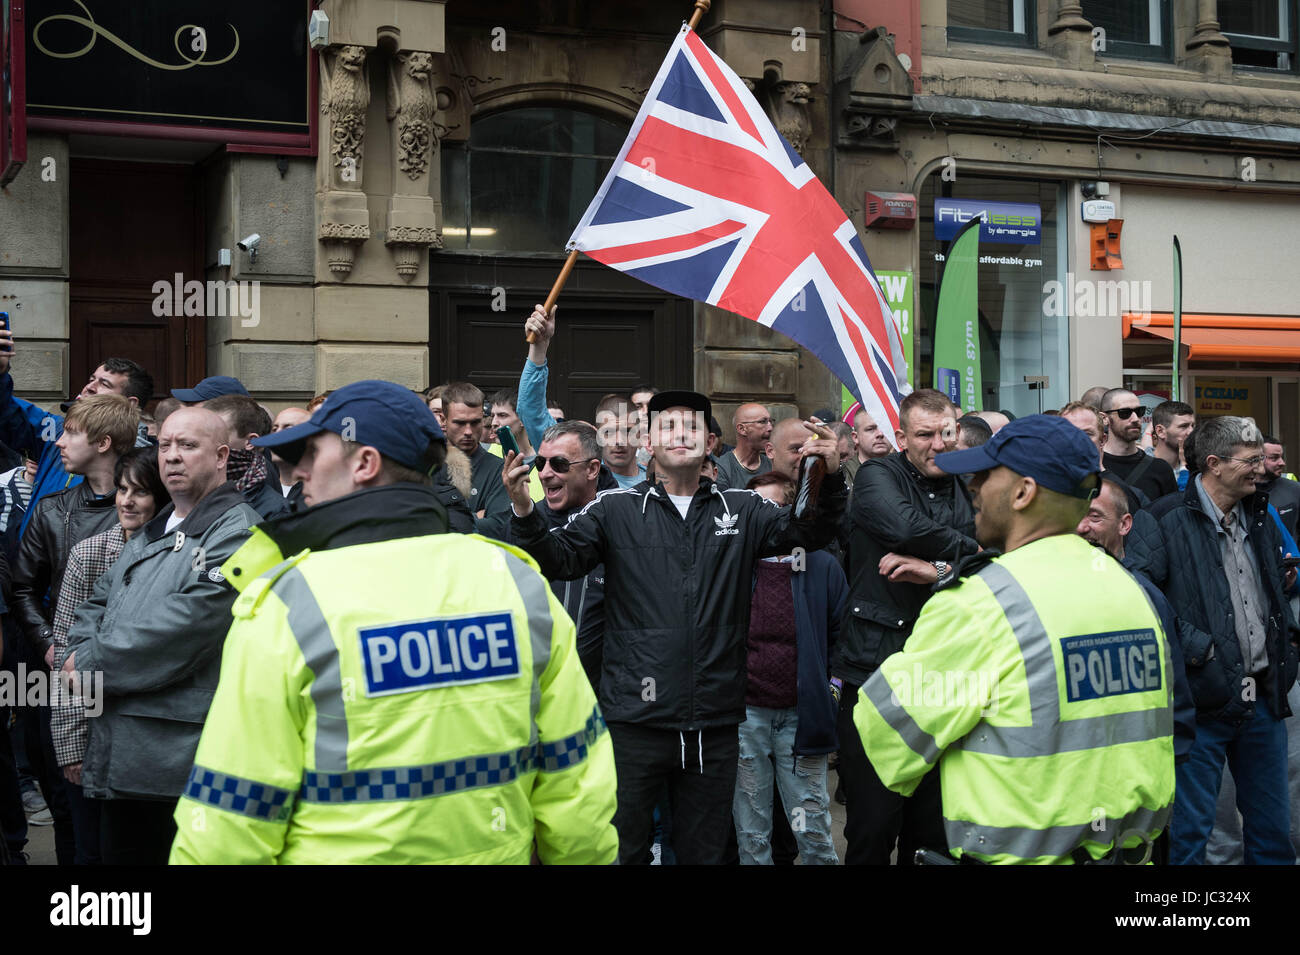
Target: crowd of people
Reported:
[(717, 654)]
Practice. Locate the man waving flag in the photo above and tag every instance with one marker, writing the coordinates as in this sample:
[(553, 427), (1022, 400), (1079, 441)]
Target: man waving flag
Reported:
[(708, 201)]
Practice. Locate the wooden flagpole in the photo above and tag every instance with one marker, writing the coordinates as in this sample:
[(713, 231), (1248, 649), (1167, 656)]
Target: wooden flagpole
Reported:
[(701, 8)]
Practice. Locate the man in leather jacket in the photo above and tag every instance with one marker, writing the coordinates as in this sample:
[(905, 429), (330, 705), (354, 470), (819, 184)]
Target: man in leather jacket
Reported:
[(98, 430), (910, 523)]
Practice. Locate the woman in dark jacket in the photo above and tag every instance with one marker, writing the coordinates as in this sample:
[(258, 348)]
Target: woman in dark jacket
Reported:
[(789, 709)]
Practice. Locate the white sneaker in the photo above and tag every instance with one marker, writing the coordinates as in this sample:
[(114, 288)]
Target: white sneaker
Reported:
[(33, 801), (42, 818), (655, 852)]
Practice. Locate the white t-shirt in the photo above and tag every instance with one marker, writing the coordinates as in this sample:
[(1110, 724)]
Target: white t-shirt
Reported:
[(683, 502), (173, 522)]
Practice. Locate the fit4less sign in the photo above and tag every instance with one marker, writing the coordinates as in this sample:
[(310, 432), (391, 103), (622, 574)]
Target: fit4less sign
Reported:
[(1014, 223), (238, 65)]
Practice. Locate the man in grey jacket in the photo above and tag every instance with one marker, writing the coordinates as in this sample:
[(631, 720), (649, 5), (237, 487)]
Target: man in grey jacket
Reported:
[(154, 629)]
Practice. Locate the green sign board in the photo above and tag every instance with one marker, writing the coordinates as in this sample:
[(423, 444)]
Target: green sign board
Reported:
[(898, 289)]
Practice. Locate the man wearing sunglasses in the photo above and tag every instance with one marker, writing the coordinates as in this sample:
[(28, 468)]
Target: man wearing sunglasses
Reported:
[(568, 463), (1121, 454)]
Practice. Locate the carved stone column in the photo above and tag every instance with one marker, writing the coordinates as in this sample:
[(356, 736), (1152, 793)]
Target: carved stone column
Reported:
[(345, 218), (1208, 49), (412, 227), (788, 105), (1070, 35)]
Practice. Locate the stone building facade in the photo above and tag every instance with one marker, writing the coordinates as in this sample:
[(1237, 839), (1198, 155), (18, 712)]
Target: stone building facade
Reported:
[(457, 143)]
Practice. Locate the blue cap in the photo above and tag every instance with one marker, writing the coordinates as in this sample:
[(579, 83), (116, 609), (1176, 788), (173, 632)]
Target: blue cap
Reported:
[(213, 387), (1047, 448), (385, 416)]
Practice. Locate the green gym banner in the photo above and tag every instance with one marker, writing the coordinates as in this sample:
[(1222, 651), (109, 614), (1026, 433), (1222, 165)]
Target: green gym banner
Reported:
[(898, 290), (956, 323)]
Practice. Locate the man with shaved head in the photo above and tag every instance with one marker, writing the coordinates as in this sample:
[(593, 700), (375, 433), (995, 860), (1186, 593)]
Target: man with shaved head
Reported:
[(1121, 455), (1093, 396), (996, 419), (753, 425), (154, 630), (788, 437)]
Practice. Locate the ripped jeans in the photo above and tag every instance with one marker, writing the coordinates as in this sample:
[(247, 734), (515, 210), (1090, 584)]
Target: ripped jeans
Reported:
[(767, 736)]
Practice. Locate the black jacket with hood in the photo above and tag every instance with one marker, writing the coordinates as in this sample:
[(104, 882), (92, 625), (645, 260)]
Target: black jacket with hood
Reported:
[(677, 592)]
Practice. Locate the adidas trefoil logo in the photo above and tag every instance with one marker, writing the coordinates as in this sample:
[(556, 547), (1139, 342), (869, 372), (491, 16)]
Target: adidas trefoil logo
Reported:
[(726, 525)]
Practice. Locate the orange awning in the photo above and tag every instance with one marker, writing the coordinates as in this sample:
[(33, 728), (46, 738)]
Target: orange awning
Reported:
[(1271, 338)]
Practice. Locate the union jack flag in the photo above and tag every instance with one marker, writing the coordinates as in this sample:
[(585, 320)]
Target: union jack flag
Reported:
[(708, 201)]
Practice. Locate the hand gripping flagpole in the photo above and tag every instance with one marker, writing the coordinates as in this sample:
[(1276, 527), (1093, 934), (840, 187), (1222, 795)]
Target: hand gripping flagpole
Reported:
[(701, 8)]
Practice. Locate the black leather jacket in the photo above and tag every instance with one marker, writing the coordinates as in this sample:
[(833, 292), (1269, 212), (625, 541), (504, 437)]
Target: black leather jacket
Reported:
[(59, 522), (895, 509)]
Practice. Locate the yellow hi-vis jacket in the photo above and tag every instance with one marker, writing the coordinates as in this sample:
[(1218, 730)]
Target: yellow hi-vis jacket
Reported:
[(1041, 687), (409, 700)]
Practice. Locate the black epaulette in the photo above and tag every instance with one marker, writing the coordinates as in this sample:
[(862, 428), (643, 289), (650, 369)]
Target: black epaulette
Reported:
[(967, 566)]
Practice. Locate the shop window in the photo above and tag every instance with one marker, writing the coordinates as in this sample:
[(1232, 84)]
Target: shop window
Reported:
[(1133, 28), (1023, 310), (525, 178), (1262, 32), (992, 21)]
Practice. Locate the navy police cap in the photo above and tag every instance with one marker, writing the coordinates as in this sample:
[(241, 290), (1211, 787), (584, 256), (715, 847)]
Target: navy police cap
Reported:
[(385, 416)]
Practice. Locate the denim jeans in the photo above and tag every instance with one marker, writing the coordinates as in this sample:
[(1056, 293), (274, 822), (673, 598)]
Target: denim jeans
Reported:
[(1256, 753), (1226, 843), (767, 736)]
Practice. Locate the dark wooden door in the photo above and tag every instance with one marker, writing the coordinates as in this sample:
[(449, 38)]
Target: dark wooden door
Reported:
[(132, 225), (613, 333)]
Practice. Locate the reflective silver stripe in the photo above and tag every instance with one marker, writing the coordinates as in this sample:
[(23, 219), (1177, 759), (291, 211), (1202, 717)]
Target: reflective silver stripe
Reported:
[(1053, 842), (532, 587), (236, 794), (1093, 732), (1048, 733), (317, 644), (1035, 648), (881, 695)]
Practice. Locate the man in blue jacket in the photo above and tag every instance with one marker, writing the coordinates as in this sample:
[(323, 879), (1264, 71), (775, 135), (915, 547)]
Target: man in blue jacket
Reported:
[(27, 427), (1218, 560)]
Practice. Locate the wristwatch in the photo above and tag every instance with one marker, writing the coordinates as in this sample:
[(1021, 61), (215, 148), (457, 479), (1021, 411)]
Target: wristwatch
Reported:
[(944, 570)]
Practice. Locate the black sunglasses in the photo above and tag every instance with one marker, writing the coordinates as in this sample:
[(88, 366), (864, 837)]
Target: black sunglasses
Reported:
[(1126, 413), (558, 464)]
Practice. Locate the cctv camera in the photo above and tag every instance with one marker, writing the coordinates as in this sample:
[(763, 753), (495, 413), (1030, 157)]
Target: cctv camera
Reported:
[(249, 243), (318, 30)]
